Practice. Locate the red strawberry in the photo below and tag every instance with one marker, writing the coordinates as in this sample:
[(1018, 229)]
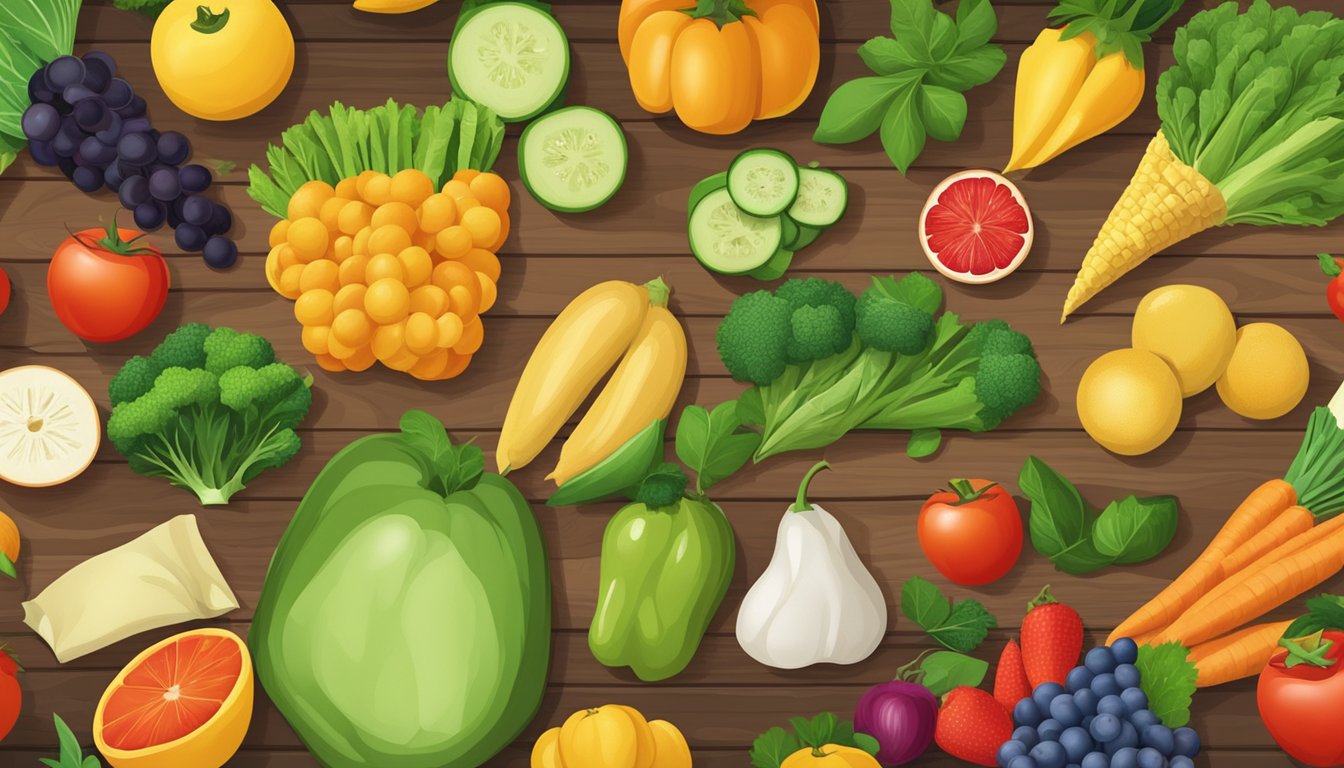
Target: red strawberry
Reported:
[(972, 725), (1052, 639), (1010, 679)]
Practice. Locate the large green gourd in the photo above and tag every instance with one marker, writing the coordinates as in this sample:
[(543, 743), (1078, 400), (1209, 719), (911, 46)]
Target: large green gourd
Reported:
[(405, 621)]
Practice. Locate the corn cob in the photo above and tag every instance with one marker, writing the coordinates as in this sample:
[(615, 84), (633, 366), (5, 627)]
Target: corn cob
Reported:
[(1166, 202)]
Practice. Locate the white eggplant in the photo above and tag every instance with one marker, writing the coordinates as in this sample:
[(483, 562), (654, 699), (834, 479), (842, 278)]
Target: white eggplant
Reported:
[(815, 602)]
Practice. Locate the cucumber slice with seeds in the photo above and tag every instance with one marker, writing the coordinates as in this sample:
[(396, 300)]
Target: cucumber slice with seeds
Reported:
[(763, 182), (511, 57), (574, 159), (822, 198), (727, 240)]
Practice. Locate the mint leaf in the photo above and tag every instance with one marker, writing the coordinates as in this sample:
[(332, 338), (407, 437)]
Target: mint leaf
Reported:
[(902, 132), (1168, 679), (1059, 516), (922, 603), (818, 731), (857, 107), (909, 16), (946, 670), (773, 747), (943, 111), (966, 628)]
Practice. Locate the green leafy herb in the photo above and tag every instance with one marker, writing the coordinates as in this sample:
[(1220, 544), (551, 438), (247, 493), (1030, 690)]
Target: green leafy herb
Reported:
[(921, 74), (1069, 531), (941, 671), (150, 8), (1323, 612), (774, 746), (1117, 26), (72, 756), (455, 467), (959, 626), (923, 443), (714, 443), (1168, 678)]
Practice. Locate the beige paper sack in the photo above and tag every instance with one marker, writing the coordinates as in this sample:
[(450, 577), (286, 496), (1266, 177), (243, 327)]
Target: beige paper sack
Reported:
[(164, 577)]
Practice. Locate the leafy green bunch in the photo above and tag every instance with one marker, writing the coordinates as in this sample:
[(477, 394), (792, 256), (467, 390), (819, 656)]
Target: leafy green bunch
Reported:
[(1255, 103), (209, 409), (823, 363), (919, 77)]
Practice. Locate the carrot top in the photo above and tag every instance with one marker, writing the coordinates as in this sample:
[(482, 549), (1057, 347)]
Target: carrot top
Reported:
[(1317, 473)]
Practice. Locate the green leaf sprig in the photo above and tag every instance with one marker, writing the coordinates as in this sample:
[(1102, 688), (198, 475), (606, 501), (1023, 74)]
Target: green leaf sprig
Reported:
[(714, 444), (920, 76), (71, 756), (961, 626), (773, 747), (1168, 679), (454, 467)]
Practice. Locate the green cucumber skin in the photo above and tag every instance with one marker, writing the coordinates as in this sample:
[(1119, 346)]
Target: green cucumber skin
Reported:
[(558, 207), (551, 102), (719, 270), (776, 153), (775, 268), (807, 235), (844, 206), (703, 188)]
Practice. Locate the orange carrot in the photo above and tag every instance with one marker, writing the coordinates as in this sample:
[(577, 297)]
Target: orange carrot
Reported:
[(1238, 654), (1255, 513), (1294, 520), (1265, 584)]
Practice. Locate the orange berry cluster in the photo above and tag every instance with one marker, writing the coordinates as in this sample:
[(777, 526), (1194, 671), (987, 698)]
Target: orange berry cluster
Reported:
[(384, 269)]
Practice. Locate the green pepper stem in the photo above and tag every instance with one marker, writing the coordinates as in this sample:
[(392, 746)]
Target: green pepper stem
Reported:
[(801, 504), (659, 292), (208, 22)]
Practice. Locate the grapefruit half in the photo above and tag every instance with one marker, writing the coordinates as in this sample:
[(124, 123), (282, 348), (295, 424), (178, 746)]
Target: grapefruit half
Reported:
[(976, 227), (186, 701)]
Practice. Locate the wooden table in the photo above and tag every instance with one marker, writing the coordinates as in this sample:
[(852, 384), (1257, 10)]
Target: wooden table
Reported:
[(723, 700)]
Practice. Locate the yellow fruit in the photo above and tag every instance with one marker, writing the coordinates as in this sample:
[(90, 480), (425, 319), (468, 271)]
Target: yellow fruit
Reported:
[(338, 350), (1129, 401), (387, 301), (402, 361), (362, 240), (342, 248), (473, 335), (308, 199), (362, 182), (670, 747), (329, 211), (279, 231), (273, 269), (349, 297), (1190, 328), (450, 330), (464, 301), (315, 337), (321, 274), (484, 261), (465, 204), (389, 238), (453, 242), (330, 363), (226, 63), (611, 736), (361, 360), (314, 307), (430, 366), (352, 328), (309, 238), (430, 299), (483, 224), (348, 189), (289, 281), (384, 266), (395, 214), (458, 190), (456, 365), (422, 334), (389, 340), (417, 265), (377, 190), (411, 187), (1268, 373), (465, 175), (492, 191), (437, 212), (489, 292), (546, 752), (503, 233), (354, 216), (427, 241), (352, 271), (209, 668)]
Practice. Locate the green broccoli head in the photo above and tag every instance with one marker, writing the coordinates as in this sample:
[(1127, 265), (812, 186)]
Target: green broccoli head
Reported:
[(815, 292), (995, 337), (815, 333), (802, 321), (183, 348), (275, 391), (226, 348), (150, 414), (1004, 384), (892, 326)]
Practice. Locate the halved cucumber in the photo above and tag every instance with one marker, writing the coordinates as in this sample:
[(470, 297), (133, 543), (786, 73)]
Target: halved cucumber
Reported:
[(763, 182), (822, 197), (574, 159), (512, 57), (727, 240)]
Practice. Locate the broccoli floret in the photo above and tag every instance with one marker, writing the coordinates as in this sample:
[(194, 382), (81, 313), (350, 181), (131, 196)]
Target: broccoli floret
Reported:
[(892, 326), (213, 427), (995, 337), (815, 292), (753, 338), (815, 333), (1005, 383)]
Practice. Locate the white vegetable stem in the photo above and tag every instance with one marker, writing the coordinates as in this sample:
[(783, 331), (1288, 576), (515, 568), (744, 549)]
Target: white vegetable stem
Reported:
[(815, 602)]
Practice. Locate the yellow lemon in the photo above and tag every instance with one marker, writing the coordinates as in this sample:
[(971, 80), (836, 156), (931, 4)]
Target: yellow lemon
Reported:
[(1268, 374), (1190, 328), (1129, 401)]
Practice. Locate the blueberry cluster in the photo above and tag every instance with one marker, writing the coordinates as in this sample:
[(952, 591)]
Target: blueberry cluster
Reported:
[(1098, 719), (89, 123)]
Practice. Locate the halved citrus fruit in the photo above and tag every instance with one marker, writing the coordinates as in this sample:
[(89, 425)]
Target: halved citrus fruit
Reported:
[(976, 227), (186, 701)]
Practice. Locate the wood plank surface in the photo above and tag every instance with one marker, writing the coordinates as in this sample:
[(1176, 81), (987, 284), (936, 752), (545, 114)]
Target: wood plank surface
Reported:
[(723, 699)]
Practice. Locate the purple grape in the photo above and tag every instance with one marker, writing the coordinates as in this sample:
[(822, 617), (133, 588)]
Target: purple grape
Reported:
[(91, 116), (197, 210), (112, 178), (97, 73), (38, 92), (102, 56), (164, 185), (63, 72), (42, 153), (87, 179), (118, 94), (112, 133), (41, 122), (136, 125), (136, 149), (195, 178), (67, 166), (62, 106), (220, 253), (170, 216), (77, 93), (173, 147), (221, 221), (96, 153), (190, 237), (149, 216), (64, 145), (134, 190), (133, 108)]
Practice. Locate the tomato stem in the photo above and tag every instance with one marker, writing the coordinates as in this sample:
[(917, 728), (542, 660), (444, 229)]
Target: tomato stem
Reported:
[(208, 22), (966, 493), (1308, 650), (721, 12), (112, 242)]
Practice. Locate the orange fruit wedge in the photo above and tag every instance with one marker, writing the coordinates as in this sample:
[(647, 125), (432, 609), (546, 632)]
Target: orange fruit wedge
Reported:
[(185, 701)]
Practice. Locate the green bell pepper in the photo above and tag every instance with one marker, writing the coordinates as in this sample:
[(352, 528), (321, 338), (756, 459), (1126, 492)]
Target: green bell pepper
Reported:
[(667, 560)]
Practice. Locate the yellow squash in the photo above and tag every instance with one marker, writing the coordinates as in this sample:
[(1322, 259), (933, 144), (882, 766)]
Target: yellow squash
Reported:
[(642, 390), (579, 348), (1048, 68), (610, 736), (1111, 93), (830, 756)]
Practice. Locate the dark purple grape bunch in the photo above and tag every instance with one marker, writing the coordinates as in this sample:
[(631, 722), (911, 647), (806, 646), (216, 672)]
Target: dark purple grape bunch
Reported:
[(1098, 719), (90, 123)]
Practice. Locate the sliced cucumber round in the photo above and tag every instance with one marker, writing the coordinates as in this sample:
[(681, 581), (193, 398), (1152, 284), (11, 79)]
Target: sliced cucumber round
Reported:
[(511, 57), (822, 198), (574, 159), (763, 182), (727, 240)]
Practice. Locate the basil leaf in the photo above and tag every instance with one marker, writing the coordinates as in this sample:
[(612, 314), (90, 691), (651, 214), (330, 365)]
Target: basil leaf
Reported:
[(942, 37), (885, 56), (965, 71), (1133, 530), (922, 603), (943, 111), (945, 670), (976, 24), (712, 444), (1059, 518), (902, 132), (923, 443), (1081, 557), (857, 107), (911, 16)]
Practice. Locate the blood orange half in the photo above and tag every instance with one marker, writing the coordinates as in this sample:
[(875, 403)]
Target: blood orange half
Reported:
[(186, 701), (976, 227)]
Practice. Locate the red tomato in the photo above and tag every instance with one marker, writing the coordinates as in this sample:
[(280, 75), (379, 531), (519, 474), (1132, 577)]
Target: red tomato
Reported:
[(11, 700), (4, 291), (1334, 292), (1301, 704), (106, 287), (973, 533)]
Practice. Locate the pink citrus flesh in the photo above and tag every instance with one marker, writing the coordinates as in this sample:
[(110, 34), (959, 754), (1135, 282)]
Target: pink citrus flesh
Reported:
[(976, 227)]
